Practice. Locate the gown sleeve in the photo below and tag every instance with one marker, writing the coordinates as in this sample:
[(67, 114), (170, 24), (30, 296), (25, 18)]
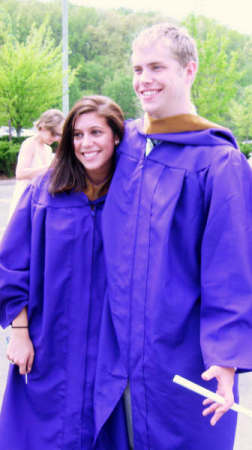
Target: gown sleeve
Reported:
[(226, 264), (15, 261)]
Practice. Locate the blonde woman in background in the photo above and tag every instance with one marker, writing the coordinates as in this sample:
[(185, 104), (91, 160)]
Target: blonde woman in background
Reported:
[(35, 155)]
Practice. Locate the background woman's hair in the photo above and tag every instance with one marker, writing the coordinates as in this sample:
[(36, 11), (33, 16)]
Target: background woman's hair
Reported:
[(68, 172), (50, 119)]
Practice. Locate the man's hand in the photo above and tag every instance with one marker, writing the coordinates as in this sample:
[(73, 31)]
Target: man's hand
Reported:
[(225, 379)]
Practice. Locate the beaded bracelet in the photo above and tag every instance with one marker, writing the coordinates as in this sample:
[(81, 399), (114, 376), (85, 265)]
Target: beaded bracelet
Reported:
[(13, 326)]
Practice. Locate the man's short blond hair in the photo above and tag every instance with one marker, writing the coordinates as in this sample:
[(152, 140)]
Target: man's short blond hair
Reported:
[(181, 44)]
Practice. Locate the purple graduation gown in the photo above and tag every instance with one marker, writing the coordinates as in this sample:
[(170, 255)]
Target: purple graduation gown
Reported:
[(51, 260), (177, 228)]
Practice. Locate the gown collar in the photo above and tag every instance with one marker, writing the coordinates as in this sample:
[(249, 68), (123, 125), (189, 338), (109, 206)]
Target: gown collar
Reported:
[(176, 124)]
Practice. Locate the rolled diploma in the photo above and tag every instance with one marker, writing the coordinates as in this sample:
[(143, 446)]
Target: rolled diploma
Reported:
[(209, 394)]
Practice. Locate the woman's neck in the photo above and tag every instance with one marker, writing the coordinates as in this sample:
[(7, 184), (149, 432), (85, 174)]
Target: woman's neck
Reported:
[(100, 176), (39, 141)]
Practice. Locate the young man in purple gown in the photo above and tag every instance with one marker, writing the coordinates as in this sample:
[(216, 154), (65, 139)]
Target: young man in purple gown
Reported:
[(177, 229)]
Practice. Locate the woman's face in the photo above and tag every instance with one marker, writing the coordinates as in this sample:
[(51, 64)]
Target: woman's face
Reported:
[(50, 136), (94, 143)]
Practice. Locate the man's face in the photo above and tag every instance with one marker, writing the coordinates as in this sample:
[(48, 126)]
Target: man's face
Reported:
[(160, 82)]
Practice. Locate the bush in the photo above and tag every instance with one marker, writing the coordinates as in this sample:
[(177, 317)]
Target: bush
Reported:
[(8, 156), (14, 140), (246, 148)]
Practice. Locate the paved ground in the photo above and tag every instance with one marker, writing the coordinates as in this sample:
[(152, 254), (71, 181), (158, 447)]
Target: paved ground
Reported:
[(6, 189), (244, 431)]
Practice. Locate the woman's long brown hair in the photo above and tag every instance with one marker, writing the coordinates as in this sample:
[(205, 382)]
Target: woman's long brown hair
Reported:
[(67, 171)]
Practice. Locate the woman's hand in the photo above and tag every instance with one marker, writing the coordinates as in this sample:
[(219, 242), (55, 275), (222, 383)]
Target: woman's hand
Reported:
[(20, 350), (225, 379)]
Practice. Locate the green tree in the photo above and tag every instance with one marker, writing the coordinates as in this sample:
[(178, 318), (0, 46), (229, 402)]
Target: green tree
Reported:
[(218, 76), (241, 114), (99, 41), (92, 74), (25, 13), (119, 88), (5, 25), (30, 77)]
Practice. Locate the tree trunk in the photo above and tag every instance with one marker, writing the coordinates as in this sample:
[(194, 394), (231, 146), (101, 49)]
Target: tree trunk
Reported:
[(18, 130), (10, 132)]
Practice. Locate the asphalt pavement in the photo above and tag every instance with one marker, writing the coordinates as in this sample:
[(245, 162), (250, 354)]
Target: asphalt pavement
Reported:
[(244, 429), (6, 190)]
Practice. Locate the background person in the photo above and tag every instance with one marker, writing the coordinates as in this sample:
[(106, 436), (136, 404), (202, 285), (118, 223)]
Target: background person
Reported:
[(35, 155), (52, 288), (177, 229)]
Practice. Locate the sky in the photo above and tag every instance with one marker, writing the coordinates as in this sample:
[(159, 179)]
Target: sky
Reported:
[(236, 14)]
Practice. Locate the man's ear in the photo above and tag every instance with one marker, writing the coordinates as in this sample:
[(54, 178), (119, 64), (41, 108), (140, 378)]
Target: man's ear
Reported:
[(191, 70)]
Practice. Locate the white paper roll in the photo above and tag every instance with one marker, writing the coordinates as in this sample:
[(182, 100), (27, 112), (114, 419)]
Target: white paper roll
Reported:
[(209, 394)]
